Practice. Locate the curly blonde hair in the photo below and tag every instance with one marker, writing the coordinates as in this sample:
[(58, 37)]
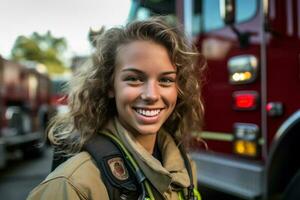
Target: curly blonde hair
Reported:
[(89, 104)]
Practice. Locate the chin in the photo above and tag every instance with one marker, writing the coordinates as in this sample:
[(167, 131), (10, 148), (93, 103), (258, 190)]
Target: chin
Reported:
[(148, 130)]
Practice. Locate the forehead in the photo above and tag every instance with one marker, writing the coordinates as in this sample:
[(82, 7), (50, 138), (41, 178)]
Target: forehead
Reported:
[(143, 53)]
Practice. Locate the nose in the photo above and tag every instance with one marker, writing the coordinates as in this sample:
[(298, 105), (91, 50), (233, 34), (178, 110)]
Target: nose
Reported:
[(150, 92)]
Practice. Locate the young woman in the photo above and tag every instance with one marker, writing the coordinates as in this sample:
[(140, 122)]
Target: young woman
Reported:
[(141, 90)]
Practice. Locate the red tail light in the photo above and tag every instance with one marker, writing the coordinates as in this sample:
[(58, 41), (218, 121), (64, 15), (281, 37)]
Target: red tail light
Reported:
[(245, 100)]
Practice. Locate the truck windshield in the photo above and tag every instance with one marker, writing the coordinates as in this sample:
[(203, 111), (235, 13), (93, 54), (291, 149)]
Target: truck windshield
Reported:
[(245, 9), (206, 13), (141, 10)]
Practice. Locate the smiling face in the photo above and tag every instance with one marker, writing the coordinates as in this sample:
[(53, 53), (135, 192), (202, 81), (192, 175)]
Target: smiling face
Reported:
[(144, 87)]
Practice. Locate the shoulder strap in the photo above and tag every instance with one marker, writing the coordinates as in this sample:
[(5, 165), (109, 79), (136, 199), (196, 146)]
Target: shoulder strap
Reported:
[(116, 174), (193, 192)]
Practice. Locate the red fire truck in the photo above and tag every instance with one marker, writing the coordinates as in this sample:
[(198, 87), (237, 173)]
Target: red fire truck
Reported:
[(24, 109), (251, 94)]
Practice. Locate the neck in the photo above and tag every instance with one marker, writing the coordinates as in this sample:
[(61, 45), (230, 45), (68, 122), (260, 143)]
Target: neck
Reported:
[(147, 141)]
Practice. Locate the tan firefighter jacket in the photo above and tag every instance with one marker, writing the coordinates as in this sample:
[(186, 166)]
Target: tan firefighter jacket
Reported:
[(79, 177)]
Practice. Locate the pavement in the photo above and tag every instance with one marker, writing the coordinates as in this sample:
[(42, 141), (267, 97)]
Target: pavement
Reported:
[(21, 176)]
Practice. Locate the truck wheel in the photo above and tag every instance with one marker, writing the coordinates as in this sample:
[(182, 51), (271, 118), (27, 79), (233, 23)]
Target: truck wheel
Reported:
[(292, 191)]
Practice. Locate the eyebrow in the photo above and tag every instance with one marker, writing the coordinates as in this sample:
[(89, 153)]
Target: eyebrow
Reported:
[(141, 72)]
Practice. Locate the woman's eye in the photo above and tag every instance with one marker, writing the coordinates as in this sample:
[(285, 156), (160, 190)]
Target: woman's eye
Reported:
[(133, 80), (167, 81)]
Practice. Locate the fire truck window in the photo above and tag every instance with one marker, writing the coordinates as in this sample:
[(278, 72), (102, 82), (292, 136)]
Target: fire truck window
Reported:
[(149, 8), (211, 19), (246, 9), (143, 13), (206, 13)]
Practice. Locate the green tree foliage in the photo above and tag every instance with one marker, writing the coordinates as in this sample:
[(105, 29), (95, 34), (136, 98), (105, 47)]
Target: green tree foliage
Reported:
[(42, 48)]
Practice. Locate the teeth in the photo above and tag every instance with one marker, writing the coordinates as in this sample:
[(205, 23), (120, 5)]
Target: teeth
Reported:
[(148, 113)]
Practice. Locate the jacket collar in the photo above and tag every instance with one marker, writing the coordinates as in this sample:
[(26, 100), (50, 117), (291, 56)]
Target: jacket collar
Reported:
[(171, 173)]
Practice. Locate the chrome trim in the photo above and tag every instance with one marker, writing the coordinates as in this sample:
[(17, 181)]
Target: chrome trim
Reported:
[(263, 75), (233, 176), (263, 67)]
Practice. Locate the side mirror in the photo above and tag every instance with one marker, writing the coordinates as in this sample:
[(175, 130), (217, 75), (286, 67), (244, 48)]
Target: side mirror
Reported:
[(227, 11)]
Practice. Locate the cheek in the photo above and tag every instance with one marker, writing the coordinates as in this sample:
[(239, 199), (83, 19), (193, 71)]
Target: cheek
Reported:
[(171, 95), (126, 95)]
